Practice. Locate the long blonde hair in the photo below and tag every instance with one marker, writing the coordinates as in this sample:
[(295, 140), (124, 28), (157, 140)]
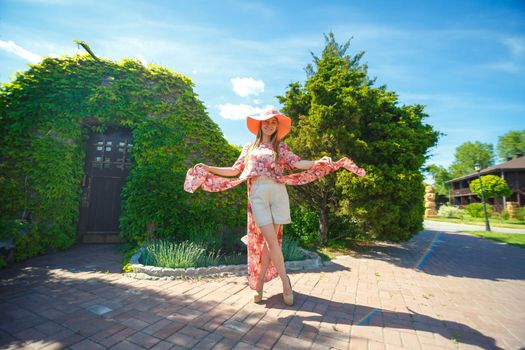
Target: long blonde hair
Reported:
[(258, 140)]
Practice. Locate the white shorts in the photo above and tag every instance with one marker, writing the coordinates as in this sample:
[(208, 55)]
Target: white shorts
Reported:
[(269, 202)]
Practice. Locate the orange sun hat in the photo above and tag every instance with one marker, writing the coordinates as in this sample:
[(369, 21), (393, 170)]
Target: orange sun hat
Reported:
[(285, 123)]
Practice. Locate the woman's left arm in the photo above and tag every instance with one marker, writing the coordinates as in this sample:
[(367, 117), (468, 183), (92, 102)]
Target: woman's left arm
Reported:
[(294, 161), (307, 164)]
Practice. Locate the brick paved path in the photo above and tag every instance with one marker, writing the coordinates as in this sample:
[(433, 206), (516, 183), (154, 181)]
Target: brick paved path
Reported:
[(467, 293)]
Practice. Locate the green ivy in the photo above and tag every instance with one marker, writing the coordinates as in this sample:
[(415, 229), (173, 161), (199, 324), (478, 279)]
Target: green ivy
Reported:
[(46, 116)]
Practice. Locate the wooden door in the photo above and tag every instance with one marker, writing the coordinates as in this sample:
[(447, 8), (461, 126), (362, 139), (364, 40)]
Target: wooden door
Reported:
[(105, 172)]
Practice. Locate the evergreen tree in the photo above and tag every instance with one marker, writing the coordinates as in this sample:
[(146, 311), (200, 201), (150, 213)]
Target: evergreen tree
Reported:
[(440, 175), (338, 112)]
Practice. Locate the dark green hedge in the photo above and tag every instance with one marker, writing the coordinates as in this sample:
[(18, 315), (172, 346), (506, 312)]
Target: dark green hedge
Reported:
[(46, 114)]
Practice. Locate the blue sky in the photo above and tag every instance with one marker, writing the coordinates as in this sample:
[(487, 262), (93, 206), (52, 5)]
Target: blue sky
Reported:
[(464, 60)]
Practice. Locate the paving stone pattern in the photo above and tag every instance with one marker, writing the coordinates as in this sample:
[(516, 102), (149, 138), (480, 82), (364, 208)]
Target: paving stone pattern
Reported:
[(468, 293)]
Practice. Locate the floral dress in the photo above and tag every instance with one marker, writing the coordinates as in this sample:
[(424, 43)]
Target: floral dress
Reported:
[(260, 162)]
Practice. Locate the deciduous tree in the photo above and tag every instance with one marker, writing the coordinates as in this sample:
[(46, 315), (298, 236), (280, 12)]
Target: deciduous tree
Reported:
[(440, 175), (468, 155), (493, 186), (511, 144)]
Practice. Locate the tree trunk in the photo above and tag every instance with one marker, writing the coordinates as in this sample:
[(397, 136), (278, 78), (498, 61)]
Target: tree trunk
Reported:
[(323, 220)]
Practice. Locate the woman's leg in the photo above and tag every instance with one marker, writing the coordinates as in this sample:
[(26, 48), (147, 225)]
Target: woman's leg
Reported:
[(276, 254), (265, 261)]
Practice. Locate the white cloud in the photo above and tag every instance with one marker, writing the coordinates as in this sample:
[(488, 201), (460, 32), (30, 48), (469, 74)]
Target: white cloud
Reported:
[(508, 67), (516, 46), (515, 63), (12, 47), (460, 101), (261, 10), (247, 86), (240, 111), (50, 2), (257, 101)]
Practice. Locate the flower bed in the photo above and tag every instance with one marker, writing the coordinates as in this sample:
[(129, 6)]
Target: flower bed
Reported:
[(140, 271)]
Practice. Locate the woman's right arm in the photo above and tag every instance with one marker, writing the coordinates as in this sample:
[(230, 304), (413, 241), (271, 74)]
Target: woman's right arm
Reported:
[(225, 171)]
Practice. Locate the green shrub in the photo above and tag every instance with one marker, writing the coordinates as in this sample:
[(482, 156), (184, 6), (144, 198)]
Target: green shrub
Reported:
[(451, 212), (233, 259), (24, 235), (205, 234), (231, 239), (343, 227), (520, 213), (291, 249), (127, 268), (504, 214), (476, 210), (178, 255), (304, 226), (186, 254), (27, 246)]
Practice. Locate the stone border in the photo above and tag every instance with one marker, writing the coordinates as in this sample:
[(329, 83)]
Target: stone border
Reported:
[(312, 261)]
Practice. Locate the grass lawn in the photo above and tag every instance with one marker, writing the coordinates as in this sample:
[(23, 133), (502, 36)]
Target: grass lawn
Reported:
[(496, 222), (515, 239)]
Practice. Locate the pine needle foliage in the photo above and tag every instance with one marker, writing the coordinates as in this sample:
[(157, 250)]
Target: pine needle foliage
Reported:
[(338, 111)]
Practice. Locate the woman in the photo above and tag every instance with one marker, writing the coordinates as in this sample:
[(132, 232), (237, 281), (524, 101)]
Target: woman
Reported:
[(268, 205)]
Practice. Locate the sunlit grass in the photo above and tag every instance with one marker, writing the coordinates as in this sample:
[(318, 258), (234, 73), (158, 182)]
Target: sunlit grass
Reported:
[(343, 246), (195, 254), (494, 221), (178, 255), (515, 239)]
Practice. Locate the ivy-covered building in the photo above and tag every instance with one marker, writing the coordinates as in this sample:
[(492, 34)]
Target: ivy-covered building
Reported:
[(512, 171), (96, 151)]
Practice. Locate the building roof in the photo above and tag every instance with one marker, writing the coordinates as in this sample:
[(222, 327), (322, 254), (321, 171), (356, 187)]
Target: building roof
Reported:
[(513, 164)]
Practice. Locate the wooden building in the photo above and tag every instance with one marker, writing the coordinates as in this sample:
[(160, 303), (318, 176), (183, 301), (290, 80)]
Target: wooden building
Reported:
[(513, 171)]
